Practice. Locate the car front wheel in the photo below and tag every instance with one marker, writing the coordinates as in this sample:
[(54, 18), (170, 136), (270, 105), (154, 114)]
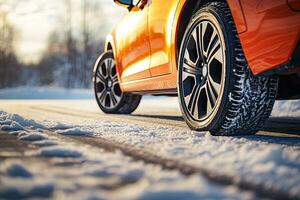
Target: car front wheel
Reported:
[(217, 91)]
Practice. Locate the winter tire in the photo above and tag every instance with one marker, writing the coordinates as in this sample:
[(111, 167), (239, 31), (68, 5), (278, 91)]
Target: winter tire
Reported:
[(217, 91), (107, 89)]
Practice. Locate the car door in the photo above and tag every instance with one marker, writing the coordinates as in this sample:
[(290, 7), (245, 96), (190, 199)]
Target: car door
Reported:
[(161, 17), (133, 46)]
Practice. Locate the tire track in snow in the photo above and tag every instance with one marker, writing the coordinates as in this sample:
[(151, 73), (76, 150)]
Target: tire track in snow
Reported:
[(274, 126), (139, 154), (137, 119)]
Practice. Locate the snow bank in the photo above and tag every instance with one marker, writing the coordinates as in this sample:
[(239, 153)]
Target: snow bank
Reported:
[(24, 122), (45, 93), (14, 122), (73, 131), (45, 143), (18, 133), (59, 125), (14, 126), (24, 189), (33, 137), (15, 169), (60, 152), (289, 108)]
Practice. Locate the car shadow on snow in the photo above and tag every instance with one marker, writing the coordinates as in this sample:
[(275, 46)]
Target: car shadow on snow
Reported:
[(165, 117), (278, 130)]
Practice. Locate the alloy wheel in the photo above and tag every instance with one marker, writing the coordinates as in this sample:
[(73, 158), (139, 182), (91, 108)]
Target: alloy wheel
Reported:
[(107, 86), (202, 70)]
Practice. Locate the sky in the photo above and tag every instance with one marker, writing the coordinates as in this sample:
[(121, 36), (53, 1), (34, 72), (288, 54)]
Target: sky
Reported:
[(36, 19)]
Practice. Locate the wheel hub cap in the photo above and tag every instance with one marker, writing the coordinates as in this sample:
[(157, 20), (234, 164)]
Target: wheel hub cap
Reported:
[(109, 83), (204, 71)]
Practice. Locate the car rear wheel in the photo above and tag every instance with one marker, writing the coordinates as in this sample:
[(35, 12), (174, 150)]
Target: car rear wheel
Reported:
[(108, 93), (217, 91)]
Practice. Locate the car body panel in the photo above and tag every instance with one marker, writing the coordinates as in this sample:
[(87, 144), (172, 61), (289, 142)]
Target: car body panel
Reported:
[(273, 30), (131, 41), (161, 17), (146, 54)]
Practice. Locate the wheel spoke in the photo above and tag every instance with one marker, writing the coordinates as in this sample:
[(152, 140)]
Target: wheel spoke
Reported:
[(203, 30), (192, 99), (103, 69), (211, 92), (108, 67), (108, 101), (214, 85), (99, 77), (113, 98), (214, 40), (115, 79), (102, 96), (116, 97), (189, 66), (216, 52), (210, 103), (188, 60), (112, 66), (191, 69), (202, 70), (197, 38), (200, 35)]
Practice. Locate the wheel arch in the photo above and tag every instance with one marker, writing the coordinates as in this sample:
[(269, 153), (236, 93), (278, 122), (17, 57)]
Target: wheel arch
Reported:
[(183, 17), (107, 47), (184, 14), (110, 46)]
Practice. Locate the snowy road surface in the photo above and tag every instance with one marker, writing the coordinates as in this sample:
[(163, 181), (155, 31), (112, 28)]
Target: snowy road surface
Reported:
[(69, 149)]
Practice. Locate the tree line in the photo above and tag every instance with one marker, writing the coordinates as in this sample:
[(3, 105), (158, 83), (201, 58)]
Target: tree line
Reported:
[(67, 60)]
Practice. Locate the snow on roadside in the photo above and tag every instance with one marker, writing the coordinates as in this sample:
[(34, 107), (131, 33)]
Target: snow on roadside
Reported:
[(45, 93), (45, 143), (272, 161), (75, 171), (76, 131), (15, 169), (32, 137), (289, 108), (260, 159), (60, 126), (59, 152), (14, 126)]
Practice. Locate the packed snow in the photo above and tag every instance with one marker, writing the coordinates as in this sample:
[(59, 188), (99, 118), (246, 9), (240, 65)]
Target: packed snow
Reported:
[(76, 131), (85, 172), (89, 173), (32, 137)]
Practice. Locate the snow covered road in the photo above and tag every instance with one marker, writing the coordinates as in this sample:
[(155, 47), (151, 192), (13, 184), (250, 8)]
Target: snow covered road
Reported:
[(81, 153)]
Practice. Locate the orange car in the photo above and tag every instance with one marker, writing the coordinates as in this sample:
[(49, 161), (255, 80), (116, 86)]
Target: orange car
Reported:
[(226, 60)]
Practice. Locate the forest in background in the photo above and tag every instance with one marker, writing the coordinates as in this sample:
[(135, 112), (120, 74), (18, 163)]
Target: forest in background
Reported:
[(68, 58)]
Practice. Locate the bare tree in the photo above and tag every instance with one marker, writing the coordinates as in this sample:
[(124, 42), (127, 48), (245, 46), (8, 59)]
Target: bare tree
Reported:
[(71, 46), (87, 49), (9, 66), (68, 61)]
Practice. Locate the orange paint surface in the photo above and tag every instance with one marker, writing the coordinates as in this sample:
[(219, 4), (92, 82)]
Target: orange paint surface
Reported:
[(145, 49)]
